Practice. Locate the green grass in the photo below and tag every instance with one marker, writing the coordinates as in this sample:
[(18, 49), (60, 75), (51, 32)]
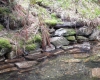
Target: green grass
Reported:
[(86, 8)]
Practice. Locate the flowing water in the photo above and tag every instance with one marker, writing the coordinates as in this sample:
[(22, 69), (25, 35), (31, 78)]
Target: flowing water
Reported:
[(56, 68)]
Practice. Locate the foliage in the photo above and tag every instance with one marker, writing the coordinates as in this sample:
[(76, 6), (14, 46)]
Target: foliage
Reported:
[(51, 22), (30, 47), (4, 43), (37, 38), (1, 27), (4, 10)]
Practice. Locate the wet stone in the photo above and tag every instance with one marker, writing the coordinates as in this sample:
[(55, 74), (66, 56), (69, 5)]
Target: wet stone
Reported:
[(50, 48), (96, 72), (95, 35), (3, 51), (60, 32), (71, 38), (35, 56), (25, 64), (84, 31), (59, 41), (67, 47), (82, 38), (2, 58), (11, 55), (72, 60), (81, 56)]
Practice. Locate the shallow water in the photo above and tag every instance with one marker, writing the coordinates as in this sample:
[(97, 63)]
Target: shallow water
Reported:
[(55, 69)]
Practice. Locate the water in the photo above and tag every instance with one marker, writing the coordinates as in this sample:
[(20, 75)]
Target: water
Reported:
[(55, 69)]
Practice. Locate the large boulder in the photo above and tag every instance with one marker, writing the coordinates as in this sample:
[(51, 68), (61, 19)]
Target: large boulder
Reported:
[(81, 38), (65, 32), (84, 31), (59, 41), (50, 48), (60, 32), (71, 38), (95, 35)]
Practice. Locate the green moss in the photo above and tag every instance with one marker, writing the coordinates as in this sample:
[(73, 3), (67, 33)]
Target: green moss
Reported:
[(81, 38), (70, 32), (53, 15), (12, 16), (1, 27), (4, 43), (51, 22), (37, 38), (30, 47), (71, 38), (95, 78), (4, 10)]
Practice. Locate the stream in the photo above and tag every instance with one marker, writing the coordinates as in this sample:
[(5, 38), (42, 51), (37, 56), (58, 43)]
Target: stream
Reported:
[(56, 68)]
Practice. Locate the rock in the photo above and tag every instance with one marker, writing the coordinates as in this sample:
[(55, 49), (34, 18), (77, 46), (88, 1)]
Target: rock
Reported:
[(96, 72), (8, 70), (84, 31), (52, 30), (14, 60), (81, 56), (60, 32), (11, 55), (67, 47), (65, 32), (67, 24), (2, 58), (70, 32), (59, 41), (35, 56), (95, 35), (74, 51), (4, 51), (81, 38), (50, 48), (72, 60), (4, 66), (51, 22), (85, 46), (71, 38), (25, 64)]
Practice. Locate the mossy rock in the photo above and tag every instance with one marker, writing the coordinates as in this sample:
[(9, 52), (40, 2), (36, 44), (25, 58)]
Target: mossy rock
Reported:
[(30, 47), (1, 27), (70, 32), (51, 22), (82, 38), (71, 38), (4, 43), (4, 10)]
